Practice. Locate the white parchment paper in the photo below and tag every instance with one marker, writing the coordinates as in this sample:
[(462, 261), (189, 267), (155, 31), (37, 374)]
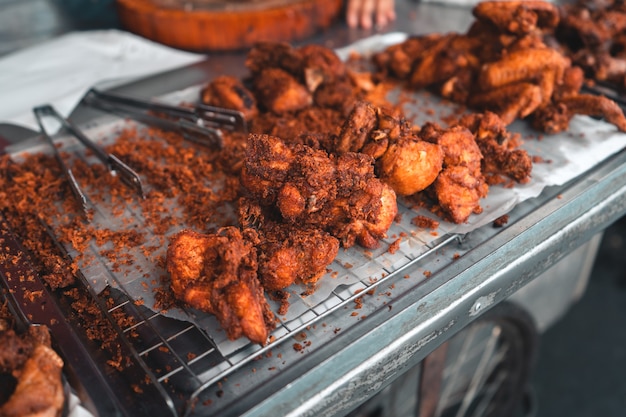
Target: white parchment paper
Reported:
[(61, 70)]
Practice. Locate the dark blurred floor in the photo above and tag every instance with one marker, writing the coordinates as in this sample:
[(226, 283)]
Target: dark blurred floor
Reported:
[(581, 369)]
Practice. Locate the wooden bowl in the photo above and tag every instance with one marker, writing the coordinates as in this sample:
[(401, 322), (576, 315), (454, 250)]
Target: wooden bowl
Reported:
[(216, 25)]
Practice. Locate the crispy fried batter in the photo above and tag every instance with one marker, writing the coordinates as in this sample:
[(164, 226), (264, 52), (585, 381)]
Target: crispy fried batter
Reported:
[(338, 194), (498, 147)]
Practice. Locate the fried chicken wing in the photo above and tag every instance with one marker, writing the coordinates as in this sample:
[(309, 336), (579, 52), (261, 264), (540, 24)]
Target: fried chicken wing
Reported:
[(556, 118), (450, 55), (399, 60), (593, 34), (509, 102), (519, 16), (217, 273)]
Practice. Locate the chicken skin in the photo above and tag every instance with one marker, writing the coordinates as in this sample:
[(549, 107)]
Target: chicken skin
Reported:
[(217, 273), (410, 165)]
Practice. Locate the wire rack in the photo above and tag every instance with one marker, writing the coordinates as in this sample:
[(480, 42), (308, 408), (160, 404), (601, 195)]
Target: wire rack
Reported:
[(184, 358), (183, 352)]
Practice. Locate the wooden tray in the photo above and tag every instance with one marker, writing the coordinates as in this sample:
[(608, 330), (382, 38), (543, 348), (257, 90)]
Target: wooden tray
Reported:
[(216, 25)]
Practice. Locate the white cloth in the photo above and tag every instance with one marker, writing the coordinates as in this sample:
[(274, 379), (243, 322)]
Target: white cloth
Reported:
[(60, 71)]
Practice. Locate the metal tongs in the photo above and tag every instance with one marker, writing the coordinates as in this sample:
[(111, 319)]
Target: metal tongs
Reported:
[(112, 162), (201, 124)]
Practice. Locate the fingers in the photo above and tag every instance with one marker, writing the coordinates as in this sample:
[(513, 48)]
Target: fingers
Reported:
[(366, 13)]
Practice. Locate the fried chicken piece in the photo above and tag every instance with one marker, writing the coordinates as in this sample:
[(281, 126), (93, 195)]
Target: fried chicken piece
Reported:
[(320, 65), (273, 55), (410, 165), (287, 253), (498, 147), (405, 163), (267, 163), (357, 128), (16, 348), (593, 35), (39, 390), (599, 106), (399, 60), (365, 206), (37, 368), (338, 194), (217, 273), (556, 118), (518, 17), (302, 255), (280, 92), (229, 92), (509, 102), (460, 185), (449, 56), (522, 65), (459, 192), (340, 95)]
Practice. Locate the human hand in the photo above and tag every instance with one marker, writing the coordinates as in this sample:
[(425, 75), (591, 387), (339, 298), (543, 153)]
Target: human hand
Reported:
[(367, 13)]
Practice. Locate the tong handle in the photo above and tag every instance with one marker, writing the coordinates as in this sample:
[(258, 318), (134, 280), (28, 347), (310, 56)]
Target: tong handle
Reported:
[(69, 175), (201, 124), (48, 110), (113, 163), (112, 101), (221, 117)]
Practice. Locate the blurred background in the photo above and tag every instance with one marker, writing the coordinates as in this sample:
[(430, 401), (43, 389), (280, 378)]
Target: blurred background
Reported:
[(581, 367)]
